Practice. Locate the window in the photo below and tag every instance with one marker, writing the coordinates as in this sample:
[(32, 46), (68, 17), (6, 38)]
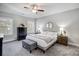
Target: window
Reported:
[(6, 26)]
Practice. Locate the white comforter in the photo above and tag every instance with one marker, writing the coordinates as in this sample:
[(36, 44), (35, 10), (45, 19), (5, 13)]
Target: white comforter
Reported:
[(43, 40), (42, 37)]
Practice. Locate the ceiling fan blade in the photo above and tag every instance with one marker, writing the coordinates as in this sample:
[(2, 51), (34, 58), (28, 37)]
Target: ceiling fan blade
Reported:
[(41, 10), (26, 7)]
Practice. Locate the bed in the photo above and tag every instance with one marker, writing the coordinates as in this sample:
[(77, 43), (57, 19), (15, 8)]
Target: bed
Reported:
[(44, 40)]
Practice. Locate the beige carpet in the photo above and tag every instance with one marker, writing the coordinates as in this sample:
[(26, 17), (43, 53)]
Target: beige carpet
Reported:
[(15, 49)]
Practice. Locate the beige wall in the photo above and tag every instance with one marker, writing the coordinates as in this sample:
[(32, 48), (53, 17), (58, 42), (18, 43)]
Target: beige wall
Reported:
[(17, 20), (69, 20)]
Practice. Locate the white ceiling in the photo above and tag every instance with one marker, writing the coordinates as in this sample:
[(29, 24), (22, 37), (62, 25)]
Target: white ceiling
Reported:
[(50, 8)]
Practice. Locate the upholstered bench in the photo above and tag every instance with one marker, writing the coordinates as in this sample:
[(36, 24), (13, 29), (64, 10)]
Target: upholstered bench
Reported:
[(29, 44)]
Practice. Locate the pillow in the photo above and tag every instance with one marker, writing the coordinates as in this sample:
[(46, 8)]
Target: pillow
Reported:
[(49, 33), (44, 33)]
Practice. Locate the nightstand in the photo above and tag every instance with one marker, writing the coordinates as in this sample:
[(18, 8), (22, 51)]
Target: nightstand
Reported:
[(62, 40)]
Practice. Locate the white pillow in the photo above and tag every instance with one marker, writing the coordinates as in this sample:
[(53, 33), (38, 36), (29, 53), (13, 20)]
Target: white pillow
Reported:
[(49, 33)]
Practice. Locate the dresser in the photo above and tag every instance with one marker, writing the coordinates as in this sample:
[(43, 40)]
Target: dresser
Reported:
[(21, 33), (62, 40)]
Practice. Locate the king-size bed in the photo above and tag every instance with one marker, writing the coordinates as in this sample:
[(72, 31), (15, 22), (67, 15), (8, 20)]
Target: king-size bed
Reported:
[(44, 40)]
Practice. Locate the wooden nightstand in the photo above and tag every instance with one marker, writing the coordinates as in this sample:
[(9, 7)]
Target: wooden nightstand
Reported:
[(62, 40)]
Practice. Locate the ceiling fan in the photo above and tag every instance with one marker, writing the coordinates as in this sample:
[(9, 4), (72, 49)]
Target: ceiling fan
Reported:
[(35, 8)]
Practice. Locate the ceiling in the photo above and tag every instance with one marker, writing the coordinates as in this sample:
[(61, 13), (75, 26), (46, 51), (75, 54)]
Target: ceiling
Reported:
[(50, 8)]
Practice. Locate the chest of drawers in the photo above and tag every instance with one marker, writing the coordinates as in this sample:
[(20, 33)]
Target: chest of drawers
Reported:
[(62, 40)]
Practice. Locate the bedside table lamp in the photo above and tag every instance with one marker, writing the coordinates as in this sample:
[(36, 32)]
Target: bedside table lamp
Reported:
[(62, 31), (65, 33), (62, 38), (39, 29)]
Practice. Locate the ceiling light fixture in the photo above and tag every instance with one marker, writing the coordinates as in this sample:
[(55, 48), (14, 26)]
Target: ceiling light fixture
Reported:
[(35, 8)]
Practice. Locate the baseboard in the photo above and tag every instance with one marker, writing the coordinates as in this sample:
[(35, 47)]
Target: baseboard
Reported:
[(9, 41), (73, 44)]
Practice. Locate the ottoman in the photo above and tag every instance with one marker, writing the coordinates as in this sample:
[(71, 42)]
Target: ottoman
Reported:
[(29, 44)]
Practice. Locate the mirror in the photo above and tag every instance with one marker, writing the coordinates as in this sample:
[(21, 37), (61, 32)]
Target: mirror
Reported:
[(49, 25)]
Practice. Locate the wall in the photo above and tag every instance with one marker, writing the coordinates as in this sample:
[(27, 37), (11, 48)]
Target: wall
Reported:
[(17, 20), (41, 23), (69, 20)]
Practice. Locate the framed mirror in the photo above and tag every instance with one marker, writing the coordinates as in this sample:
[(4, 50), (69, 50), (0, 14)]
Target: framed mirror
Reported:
[(49, 25)]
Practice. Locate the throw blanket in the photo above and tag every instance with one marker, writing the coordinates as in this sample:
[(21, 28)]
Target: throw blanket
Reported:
[(45, 38)]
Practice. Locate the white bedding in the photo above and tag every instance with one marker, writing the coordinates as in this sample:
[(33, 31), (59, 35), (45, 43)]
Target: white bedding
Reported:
[(43, 40), (43, 37)]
